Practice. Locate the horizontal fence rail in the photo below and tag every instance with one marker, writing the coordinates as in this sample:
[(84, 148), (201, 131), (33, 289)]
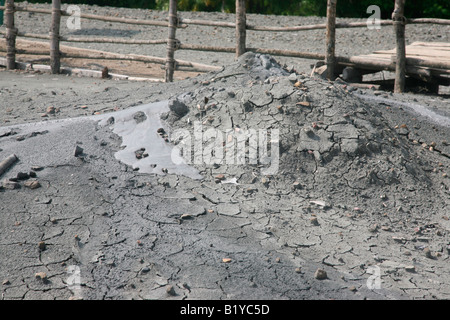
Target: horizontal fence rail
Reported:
[(174, 22), (184, 23), (96, 17), (88, 39)]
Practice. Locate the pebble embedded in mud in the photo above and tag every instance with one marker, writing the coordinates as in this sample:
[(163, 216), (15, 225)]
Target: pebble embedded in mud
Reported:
[(32, 184), (42, 246), (170, 290), (314, 221), (78, 151), (41, 276), (10, 185), (320, 274)]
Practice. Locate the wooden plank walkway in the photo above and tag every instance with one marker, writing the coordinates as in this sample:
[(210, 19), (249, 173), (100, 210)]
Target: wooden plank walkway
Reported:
[(426, 61)]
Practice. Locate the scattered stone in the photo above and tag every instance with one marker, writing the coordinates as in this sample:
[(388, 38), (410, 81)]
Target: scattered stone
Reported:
[(296, 185), (293, 78), (265, 181), (410, 268), (42, 246), (304, 103), (226, 260), (314, 221), (6, 282), (170, 290), (41, 276), (139, 117), (178, 107), (399, 239), (78, 151), (10, 185), (37, 168), (186, 216), (320, 274), (140, 153), (50, 110), (145, 270), (218, 178), (111, 120), (352, 288), (428, 253), (320, 203), (373, 228), (230, 181), (32, 184), (22, 176), (298, 270)]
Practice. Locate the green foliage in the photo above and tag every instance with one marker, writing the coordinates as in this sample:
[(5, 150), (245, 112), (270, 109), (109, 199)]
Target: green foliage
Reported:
[(413, 8), (345, 8), (144, 4)]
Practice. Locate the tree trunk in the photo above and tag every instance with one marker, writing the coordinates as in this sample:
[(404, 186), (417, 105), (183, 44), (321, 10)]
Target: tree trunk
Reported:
[(171, 41), (399, 27), (241, 24), (11, 33), (55, 56), (331, 38)]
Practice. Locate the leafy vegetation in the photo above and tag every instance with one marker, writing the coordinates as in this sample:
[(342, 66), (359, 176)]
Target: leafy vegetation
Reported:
[(345, 8)]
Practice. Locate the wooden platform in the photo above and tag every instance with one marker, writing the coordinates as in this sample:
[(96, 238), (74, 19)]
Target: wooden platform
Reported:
[(426, 61)]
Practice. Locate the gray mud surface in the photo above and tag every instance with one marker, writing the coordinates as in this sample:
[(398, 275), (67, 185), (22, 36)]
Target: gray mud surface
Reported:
[(355, 183)]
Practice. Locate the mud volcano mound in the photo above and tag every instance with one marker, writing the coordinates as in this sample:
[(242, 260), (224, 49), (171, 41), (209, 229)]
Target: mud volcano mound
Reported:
[(303, 189), (332, 145)]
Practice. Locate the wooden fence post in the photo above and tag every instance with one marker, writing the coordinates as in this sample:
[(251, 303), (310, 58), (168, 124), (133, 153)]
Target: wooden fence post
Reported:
[(171, 41), (55, 56), (399, 22), (11, 33), (331, 38), (241, 28)]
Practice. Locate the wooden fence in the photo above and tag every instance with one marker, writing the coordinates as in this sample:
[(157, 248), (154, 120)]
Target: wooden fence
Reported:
[(241, 26)]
